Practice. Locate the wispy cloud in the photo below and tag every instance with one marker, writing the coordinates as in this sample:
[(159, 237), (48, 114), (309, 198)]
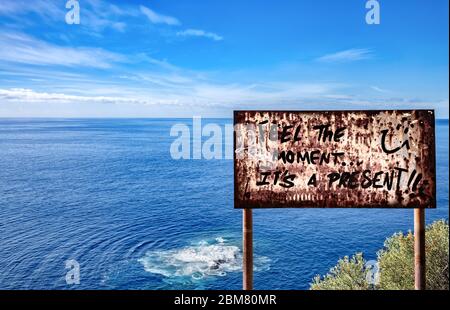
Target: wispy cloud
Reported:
[(24, 49), (29, 95), (49, 10), (199, 33), (349, 55), (157, 18), (119, 26), (96, 16), (99, 15), (379, 89), (173, 89), (194, 98), (162, 63)]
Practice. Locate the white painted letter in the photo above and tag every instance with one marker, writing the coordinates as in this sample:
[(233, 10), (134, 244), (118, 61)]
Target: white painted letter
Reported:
[(212, 148), (373, 15), (73, 16), (181, 147), (229, 137), (73, 275), (197, 137)]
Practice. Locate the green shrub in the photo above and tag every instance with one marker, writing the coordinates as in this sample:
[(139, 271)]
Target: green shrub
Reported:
[(348, 274), (397, 259), (396, 264)]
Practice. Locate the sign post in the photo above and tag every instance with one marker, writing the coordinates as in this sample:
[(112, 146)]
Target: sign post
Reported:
[(247, 263), (419, 249), (334, 159)]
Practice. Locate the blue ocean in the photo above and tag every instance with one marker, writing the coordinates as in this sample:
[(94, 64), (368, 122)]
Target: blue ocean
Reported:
[(107, 193)]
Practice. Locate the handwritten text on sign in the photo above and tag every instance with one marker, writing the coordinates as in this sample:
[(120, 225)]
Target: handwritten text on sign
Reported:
[(346, 159)]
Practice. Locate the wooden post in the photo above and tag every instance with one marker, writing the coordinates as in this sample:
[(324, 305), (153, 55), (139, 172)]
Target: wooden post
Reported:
[(419, 249), (247, 259)]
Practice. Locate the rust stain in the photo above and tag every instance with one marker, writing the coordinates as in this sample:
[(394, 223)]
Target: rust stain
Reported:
[(334, 159)]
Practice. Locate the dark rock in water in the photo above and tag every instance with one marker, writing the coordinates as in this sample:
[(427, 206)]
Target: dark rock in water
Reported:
[(215, 266)]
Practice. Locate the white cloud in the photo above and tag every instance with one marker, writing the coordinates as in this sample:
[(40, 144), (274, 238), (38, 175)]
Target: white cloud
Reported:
[(347, 55), (29, 95), (21, 48), (164, 64), (379, 89), (170, 89), (49, 10), (119, 26), (156, 18), (96, 15), (200, 33), (172, 92), (24, 95)]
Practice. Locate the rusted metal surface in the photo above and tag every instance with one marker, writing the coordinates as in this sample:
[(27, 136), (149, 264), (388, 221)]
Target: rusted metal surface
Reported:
[(247, 244), (419, 250), (335, 159)]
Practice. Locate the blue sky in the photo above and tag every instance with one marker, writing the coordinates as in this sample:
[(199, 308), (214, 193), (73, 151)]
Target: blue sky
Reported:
[(179, 58)]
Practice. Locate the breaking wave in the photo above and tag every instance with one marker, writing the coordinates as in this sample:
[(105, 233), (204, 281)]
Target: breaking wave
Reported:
[(204, 259)]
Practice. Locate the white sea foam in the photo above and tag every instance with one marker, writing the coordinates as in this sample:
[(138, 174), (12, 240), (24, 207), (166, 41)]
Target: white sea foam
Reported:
[(220, 239), (203, 259)]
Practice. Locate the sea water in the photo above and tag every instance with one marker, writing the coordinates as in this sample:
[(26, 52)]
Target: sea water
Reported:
[(107, 193)]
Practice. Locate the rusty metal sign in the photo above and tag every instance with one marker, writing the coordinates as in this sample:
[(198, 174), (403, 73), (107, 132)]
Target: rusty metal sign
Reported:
[(334, 159)]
